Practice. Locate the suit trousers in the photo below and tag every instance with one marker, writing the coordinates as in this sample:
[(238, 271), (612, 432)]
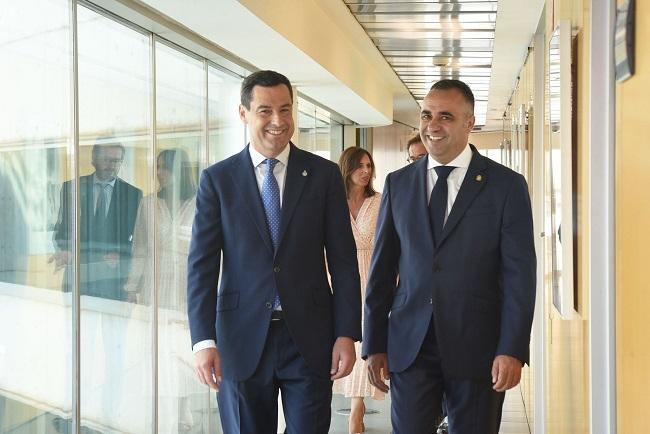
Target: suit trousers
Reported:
[(473, 407), (251, 406)]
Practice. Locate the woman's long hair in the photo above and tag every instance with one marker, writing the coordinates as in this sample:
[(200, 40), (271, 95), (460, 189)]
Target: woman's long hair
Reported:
[(183, 186)]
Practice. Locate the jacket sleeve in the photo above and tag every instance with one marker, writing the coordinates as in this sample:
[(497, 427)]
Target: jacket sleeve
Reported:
[(382, 279), (518, 272), (204, 261), (341, 254)]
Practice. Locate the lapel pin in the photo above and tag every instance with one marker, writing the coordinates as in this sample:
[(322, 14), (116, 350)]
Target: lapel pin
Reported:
[(479, 178), (304, 173)]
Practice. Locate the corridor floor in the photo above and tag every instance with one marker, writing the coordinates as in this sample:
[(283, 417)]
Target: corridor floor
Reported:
[(513, 421)]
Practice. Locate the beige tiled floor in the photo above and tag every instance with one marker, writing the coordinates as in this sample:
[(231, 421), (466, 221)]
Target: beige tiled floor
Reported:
[(513, 420)]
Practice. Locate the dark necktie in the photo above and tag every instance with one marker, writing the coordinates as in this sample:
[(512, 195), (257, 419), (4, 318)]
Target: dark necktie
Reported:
[(271, 199), (438, 202), (100, 208)]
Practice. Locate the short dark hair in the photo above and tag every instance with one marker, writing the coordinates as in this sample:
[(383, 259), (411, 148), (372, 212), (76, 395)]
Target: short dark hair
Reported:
[(413, 140), (98, 147), (264, 79), (461, 86), (349, 162)]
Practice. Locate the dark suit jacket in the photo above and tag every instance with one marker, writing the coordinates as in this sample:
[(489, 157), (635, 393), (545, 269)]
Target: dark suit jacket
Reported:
[(479, 283), (230, 225), (97, 278)]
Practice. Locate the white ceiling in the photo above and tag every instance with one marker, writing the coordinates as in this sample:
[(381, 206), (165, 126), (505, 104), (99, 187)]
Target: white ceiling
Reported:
[(323, 49), (482, 42)]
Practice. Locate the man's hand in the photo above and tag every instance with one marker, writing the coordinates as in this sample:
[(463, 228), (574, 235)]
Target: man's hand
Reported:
[(378, 371), (60, 259), (208, 367), (343, 357), (506, 373)]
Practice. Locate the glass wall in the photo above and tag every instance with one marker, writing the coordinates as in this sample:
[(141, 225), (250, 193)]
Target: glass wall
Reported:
[(317, 131), (115, 130), (35, 157), (150, 116)]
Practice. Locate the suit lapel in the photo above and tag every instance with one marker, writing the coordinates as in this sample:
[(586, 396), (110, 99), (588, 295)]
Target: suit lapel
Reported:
[(474, 181), (243, 174), (294, 182)]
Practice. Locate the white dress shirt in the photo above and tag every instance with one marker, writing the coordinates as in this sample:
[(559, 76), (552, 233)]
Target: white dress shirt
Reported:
[(456, 177), (280, 173)]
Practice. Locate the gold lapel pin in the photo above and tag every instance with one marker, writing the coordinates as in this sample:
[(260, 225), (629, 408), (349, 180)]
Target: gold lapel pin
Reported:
[(304, 173), (479, 178)]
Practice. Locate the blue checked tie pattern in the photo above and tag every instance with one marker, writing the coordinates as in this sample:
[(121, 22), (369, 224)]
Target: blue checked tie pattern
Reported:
[(271, 200)]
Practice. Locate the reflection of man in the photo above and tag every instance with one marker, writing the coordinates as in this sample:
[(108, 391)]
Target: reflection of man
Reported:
[(108, 209), (275, 212), (459, 320), (415, 149)]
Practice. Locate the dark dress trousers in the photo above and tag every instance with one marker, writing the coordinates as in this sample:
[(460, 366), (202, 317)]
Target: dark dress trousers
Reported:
[(99, 237), (230, 241), (455, 306)]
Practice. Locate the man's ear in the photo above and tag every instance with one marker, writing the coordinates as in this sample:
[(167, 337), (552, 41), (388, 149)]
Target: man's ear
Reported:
[(470, 122), (242, 113)]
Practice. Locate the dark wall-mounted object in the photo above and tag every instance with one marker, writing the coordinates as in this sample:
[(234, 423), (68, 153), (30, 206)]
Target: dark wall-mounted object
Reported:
[(624, 41)]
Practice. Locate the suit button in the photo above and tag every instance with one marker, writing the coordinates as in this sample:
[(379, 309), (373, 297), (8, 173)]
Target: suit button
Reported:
[(268, 305), (431, 301), (437, 268), (276, 269)]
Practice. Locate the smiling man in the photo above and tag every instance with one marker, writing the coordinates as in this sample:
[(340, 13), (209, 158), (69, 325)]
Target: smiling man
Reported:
[(266, 220), (457, 229)]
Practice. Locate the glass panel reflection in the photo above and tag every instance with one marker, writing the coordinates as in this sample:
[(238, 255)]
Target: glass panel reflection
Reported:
[(35, 142), (314, 125), (180, 139), (115, 136), (227, 132)]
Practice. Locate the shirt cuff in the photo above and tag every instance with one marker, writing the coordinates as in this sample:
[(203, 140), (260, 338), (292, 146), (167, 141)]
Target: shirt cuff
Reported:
[(202, 345)]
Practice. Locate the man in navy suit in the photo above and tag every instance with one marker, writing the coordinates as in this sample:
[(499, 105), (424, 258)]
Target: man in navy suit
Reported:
[(266, 221), (457, 229)]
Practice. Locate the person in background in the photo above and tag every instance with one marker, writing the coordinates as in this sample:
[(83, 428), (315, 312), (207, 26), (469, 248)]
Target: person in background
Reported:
[(415, 149), (173, 208), (109, 206), (458, 322), (358, 170)]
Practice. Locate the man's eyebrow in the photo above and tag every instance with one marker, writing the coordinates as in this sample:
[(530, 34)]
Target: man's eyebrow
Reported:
[(446, 114)]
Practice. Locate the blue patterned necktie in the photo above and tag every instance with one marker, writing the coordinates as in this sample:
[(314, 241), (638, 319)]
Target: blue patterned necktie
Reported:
[(271, 200), (438, 202)]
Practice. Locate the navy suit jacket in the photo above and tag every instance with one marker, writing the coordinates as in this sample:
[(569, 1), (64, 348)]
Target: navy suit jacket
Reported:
[(479, 283), (98, 279), (230, 239)]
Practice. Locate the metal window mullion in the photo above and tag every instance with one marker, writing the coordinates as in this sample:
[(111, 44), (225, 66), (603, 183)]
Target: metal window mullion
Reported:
[(152, 239), (204, 162), (204, 154), (602, 230), (76, 295)]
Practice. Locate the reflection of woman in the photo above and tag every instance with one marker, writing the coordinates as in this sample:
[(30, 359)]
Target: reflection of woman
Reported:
[(173, 205), (358, 170)]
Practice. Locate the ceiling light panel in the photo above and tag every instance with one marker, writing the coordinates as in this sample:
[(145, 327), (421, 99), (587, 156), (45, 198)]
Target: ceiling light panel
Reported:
[(429, 7)]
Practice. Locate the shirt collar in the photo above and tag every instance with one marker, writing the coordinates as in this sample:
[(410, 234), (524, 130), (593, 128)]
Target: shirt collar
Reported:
[(104, 183), (258, 158), (462, 160)]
